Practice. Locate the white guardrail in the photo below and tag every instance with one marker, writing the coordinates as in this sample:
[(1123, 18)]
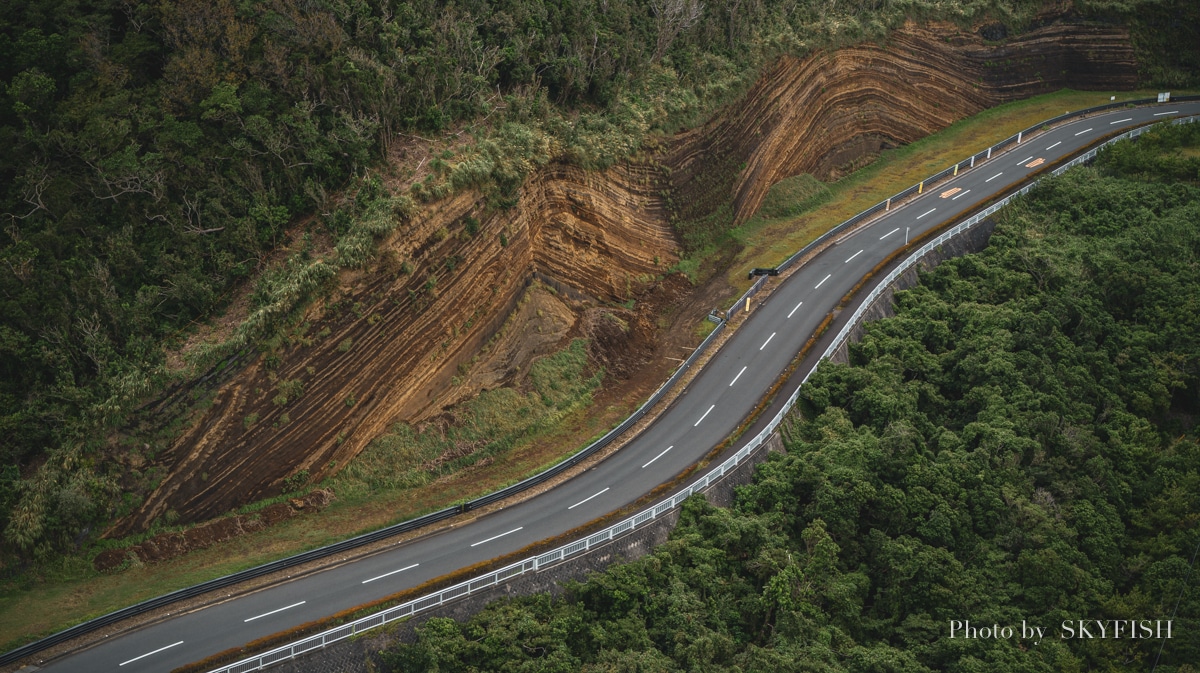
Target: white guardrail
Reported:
[(533, 564)]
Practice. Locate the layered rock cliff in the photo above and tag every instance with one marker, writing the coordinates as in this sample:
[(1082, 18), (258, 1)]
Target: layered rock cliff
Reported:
[(824, 115), (388, 348)]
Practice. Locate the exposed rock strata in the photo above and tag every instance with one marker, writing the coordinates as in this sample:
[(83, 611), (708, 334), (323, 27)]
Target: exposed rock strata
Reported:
[(821, 114), (396, 339)]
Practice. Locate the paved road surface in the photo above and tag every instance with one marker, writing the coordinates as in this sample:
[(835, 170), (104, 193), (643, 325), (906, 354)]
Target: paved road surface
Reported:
[(715, 403)]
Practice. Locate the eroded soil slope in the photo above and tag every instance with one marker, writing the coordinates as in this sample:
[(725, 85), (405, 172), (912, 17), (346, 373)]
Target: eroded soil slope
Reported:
[(391, 345)]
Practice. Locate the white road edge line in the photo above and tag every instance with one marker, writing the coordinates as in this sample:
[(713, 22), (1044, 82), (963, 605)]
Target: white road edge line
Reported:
[(889, 233), (1054, 145), (794, 309), (823, 281), (588, 498), (149, 653), (994, 176), (926, 213), (1172, 112), (1024, 161), (853, 256), (767, 341), (494, 537), (704, 416), (739, 375), (392, 573), (268, 614), (1082, 132), (961, 195), (1119, 121), (664, 452)]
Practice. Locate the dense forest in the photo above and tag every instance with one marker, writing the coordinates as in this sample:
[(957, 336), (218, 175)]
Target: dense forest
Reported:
[(1017, 444), (154, 155)]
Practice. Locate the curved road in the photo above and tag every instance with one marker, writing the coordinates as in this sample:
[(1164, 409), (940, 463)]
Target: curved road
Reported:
[(713, 405)]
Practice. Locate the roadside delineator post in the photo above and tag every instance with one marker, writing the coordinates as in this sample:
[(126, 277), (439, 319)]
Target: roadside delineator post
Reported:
[(888, 205), (956, 169), (972, 161), (921, 187), (989, 153), (1019, 137)]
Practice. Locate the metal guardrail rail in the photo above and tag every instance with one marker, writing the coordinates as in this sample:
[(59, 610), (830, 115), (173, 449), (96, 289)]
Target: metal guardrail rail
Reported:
[(542, 561), (420, 522), (971, 222), (951, 171)]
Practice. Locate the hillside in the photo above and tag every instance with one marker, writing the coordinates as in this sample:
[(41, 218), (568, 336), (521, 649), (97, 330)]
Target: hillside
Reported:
[(244, 239)]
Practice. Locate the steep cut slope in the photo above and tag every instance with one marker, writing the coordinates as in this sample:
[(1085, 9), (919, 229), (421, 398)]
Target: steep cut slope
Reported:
[(395, 339), (397, 334), (824, 115)]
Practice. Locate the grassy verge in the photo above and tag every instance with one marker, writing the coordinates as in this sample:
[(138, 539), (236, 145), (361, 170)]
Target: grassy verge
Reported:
[(69, 591), (800, 209)]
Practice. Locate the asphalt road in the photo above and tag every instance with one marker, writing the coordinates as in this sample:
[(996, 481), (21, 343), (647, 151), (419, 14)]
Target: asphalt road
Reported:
[(713, 405)]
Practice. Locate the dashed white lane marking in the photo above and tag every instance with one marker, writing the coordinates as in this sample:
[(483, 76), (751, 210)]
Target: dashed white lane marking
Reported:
[(392, 573), (1054, 145), (1024, 161), (664, 452), (889, 233), (739, 375), (994, 176), (704, 416), (794, 309), (1121, 121), (1082, 132), (149, 653), (268, 614), (961, 195), (496, 537), (588, 498), (823, 281), (767, 341), (853, 256), (926, 213), (1172, 112)]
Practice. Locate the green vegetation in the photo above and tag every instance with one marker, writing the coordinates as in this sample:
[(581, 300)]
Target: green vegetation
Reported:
[(480, 429), (153, 155), (155, 158), (1017, 443)]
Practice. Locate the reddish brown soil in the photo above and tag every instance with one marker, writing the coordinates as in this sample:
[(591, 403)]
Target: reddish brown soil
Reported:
[(389, 346)]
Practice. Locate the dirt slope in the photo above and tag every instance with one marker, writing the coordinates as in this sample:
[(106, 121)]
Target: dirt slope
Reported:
[(400, 331)]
